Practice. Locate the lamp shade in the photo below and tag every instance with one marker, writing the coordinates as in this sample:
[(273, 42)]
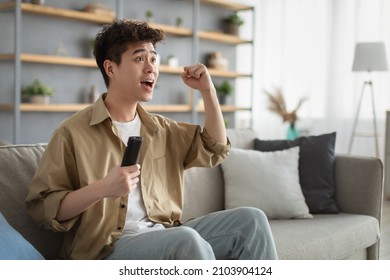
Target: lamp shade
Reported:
[(370, 57)]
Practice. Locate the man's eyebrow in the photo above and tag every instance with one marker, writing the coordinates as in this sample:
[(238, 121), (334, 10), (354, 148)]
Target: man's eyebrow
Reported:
[(143, 50)]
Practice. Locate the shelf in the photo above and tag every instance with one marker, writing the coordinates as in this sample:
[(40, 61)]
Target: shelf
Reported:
[(189, 35), (222, 37), (51, 59), (172, 108), (173, 30), (58, 12), (227, 74), (230, 109), (163, 68), (227, 5)]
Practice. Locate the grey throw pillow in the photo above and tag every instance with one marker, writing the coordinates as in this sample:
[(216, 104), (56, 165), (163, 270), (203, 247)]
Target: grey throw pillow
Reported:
[(316, 167)]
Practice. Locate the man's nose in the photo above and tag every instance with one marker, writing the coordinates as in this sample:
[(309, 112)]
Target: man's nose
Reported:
[(149, 67)]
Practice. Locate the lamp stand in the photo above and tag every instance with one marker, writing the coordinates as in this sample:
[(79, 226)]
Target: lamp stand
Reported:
[(372, 134)]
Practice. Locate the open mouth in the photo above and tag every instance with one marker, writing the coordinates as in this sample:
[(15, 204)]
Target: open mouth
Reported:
[(148, 83)]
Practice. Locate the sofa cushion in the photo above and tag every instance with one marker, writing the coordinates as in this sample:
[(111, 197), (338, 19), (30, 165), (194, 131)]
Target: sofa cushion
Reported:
[(324, 237), (243, 138), (13, 246), (203, 191), (18, 164), (265, 180), (316, 168)]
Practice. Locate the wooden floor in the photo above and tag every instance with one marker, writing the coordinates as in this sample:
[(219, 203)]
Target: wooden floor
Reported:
[(384, 249)]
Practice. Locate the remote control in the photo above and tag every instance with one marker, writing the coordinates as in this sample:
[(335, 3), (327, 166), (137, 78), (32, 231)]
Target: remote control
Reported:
[(132, 150)]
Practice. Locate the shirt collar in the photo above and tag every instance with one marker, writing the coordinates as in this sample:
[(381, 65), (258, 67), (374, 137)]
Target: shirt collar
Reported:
[(99, 111)]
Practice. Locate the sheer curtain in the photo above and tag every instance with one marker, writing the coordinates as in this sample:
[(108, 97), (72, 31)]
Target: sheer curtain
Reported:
[(306, 48)]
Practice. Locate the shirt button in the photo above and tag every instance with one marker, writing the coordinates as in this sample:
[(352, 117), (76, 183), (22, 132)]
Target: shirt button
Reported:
[(119, 228), (123, 206)]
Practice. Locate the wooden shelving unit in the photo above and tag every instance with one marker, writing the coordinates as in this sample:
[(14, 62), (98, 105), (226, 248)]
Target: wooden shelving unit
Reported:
[(79, 15)]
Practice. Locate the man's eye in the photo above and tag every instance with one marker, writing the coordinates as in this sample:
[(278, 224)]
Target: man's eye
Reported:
[(154, 60), (139, 59)]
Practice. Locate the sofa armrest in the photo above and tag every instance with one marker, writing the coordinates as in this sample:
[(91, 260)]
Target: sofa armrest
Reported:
[(359, 185)]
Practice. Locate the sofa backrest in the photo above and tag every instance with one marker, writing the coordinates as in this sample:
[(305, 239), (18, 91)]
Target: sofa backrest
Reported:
[(204, 187), (17, 167)]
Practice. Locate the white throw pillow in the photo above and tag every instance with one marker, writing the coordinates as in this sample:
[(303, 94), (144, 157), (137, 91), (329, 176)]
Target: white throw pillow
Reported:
[(265, 180)]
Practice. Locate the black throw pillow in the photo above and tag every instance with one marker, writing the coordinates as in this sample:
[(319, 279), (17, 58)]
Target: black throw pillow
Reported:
[(316, 162)]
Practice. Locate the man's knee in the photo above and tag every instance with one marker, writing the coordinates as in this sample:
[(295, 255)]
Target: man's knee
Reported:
[(251, 214), (189, 244)]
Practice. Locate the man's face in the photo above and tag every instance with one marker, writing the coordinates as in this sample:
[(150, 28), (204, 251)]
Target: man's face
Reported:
[(137, 74)]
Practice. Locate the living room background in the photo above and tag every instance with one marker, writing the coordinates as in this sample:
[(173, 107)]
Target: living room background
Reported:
[(306, 47)]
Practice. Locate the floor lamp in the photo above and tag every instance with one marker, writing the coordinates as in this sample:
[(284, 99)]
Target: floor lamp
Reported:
[(368, 57)]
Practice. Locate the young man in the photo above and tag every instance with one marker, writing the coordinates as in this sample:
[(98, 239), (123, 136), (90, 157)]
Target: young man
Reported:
[(113, 212)]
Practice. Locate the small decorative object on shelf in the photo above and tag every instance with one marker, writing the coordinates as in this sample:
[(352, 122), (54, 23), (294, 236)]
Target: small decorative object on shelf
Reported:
[(60, 50), (37, 2), (278, 105), (93, 94), (173, 61), (99, 9), (223, 90), (232, 24), (90, 44), (179, 21), (158, 59), (37, 92), (217, 61), (149, 16)]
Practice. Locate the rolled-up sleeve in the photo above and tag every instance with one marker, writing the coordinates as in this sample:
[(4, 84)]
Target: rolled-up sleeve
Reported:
[(214, 146), (205, 151), (51, 183)]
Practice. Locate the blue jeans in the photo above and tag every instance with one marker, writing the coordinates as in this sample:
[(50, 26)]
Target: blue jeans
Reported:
[(240, 233)]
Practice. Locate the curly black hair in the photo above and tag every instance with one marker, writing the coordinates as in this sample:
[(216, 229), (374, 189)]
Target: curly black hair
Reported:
[(113, 40)]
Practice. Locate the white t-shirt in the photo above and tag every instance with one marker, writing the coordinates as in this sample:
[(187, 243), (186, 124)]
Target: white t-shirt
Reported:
[(136, 218)]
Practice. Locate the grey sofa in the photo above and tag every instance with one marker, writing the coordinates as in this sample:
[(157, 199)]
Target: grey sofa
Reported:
[(352, 234)]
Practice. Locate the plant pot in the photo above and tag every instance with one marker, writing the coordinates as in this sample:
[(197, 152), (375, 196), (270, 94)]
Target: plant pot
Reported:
[(40, 99), (232, 28), (38, 2), (221, 99)]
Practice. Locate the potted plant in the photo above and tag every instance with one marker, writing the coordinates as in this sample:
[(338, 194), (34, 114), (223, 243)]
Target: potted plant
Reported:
[(232, 23), (37, 92), (149, 16), (90, 45), (223, 90), (179, 21)]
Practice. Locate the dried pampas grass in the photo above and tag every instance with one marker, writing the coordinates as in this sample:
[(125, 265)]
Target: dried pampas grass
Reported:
[(278, 105)]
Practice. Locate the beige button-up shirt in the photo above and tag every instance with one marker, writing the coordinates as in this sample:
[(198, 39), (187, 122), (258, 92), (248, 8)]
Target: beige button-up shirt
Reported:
[(86, 146)]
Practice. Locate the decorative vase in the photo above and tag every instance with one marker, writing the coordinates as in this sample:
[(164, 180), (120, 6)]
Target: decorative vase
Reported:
[(292, 132)]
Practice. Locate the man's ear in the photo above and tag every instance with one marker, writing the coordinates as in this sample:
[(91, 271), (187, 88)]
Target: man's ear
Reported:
[(108, 67)]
